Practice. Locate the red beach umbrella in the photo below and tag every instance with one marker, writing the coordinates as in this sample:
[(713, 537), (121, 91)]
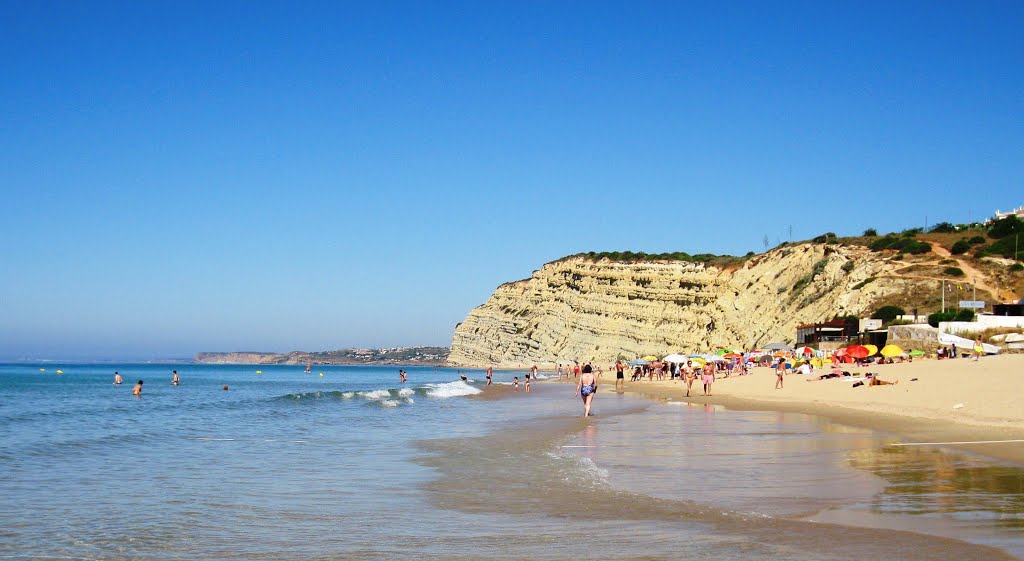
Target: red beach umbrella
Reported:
[(805, 351), (857, 351), (732, 355)]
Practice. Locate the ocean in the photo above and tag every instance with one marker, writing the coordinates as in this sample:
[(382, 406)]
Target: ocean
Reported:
[(355, 465)]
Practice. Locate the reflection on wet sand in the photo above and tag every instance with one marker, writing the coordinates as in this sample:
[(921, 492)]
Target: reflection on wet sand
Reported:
[(529, 474)]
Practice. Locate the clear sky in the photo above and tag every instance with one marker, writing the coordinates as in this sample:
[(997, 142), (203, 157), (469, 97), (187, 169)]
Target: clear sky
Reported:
[(179, 177)]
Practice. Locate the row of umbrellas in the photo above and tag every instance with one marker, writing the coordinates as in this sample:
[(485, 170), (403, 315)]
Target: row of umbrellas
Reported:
[(865, 351), (724, 355)]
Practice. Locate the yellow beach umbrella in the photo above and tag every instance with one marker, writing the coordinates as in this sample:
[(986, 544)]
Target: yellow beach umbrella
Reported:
[(872, 350), (891, 351), (698, 361), (651, 358)]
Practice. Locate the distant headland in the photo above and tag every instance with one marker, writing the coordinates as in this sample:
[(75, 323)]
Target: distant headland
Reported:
[(425, 356)]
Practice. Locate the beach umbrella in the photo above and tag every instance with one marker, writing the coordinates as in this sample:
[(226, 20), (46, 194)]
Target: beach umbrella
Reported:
[(872, 350), (731, 355), (714, 358), (777, 347), (650, 357), (891, 351), (698, 361), (805, 351), (857, 351), (723, 352), (779, 354), (917, 352), (638, 363), (676, 358)]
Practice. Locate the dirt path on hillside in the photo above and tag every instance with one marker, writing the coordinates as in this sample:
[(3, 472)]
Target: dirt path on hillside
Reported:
[(974, 276)]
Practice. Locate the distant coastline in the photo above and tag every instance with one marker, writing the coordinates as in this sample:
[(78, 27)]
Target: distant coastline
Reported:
[(423, 356)]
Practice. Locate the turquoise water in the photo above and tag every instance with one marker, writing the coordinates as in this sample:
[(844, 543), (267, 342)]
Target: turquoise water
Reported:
[(355, 465)]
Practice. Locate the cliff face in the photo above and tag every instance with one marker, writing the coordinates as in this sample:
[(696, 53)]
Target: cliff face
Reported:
[(577, 308)]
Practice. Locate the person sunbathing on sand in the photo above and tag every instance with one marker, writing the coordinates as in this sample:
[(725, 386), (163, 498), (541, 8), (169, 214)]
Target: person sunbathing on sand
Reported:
[(876, 381)]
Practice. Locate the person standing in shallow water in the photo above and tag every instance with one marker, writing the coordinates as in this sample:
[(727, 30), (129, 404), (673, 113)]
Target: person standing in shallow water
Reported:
[(586, 387), (490, 372), (620, 374), (137, 390), (117, 379), (175, 380)]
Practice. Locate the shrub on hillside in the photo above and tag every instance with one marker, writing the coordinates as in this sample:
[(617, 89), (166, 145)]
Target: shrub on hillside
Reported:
[(825, 238), (943, 228), (965, 314), (1016, 267), (960, 247), (935, 318), (977, 240), (888, 313), (1005, 248), (1006, 227), (882, 243), (917, 248), (870, 233), (953, 271)]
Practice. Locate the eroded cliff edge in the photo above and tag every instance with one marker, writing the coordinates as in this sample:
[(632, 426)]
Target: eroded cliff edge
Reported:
[(578, 308)]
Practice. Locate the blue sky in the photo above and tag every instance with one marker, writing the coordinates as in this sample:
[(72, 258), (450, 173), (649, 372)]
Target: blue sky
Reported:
[(181, 177)]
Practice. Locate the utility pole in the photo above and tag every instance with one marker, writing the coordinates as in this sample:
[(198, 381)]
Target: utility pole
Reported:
[(943, 295)]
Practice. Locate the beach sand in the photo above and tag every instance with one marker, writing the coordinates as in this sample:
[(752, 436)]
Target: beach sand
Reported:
[(954, 402)]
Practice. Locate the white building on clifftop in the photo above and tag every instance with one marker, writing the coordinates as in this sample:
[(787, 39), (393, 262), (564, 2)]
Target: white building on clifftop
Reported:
[(1018, 212)]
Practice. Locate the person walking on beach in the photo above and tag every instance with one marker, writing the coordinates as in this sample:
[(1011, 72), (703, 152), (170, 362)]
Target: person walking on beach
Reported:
[(978, 349), (490, 372), (137, 390), (620, 374), (709, 377), (780, 371), (117, 379), (576, 369), (175, 380), (688, 376), (586, 387)]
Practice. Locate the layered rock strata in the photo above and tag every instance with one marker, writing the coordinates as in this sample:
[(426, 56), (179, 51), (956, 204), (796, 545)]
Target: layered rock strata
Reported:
[(581, 309)]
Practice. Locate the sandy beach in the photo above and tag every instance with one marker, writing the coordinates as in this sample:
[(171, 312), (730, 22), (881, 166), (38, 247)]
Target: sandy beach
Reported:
[(954, 402)]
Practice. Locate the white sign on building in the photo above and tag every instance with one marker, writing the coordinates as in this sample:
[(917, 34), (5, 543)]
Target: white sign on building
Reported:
[(870, 324)]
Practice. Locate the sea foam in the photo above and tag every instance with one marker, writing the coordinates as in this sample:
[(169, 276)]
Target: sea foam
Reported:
[(457, 388)]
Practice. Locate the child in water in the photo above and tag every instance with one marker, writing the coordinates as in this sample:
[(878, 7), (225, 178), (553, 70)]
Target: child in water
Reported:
[(515, 382)]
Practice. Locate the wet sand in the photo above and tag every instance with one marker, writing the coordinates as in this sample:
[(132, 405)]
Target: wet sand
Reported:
[(951, 401)]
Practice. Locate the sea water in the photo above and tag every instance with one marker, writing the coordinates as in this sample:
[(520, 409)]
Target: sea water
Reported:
[(354, 464)]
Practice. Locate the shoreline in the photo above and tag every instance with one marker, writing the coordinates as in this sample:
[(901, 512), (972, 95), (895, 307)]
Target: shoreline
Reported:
[(946, 406)]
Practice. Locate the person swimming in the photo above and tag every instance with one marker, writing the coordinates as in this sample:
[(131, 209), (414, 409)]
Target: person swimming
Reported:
[(463, 377)]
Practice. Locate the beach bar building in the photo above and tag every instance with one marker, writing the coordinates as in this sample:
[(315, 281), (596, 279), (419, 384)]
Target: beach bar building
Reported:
[(828, 334)]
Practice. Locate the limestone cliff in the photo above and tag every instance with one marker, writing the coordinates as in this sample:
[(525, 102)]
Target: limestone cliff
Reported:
[(578, 308)]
